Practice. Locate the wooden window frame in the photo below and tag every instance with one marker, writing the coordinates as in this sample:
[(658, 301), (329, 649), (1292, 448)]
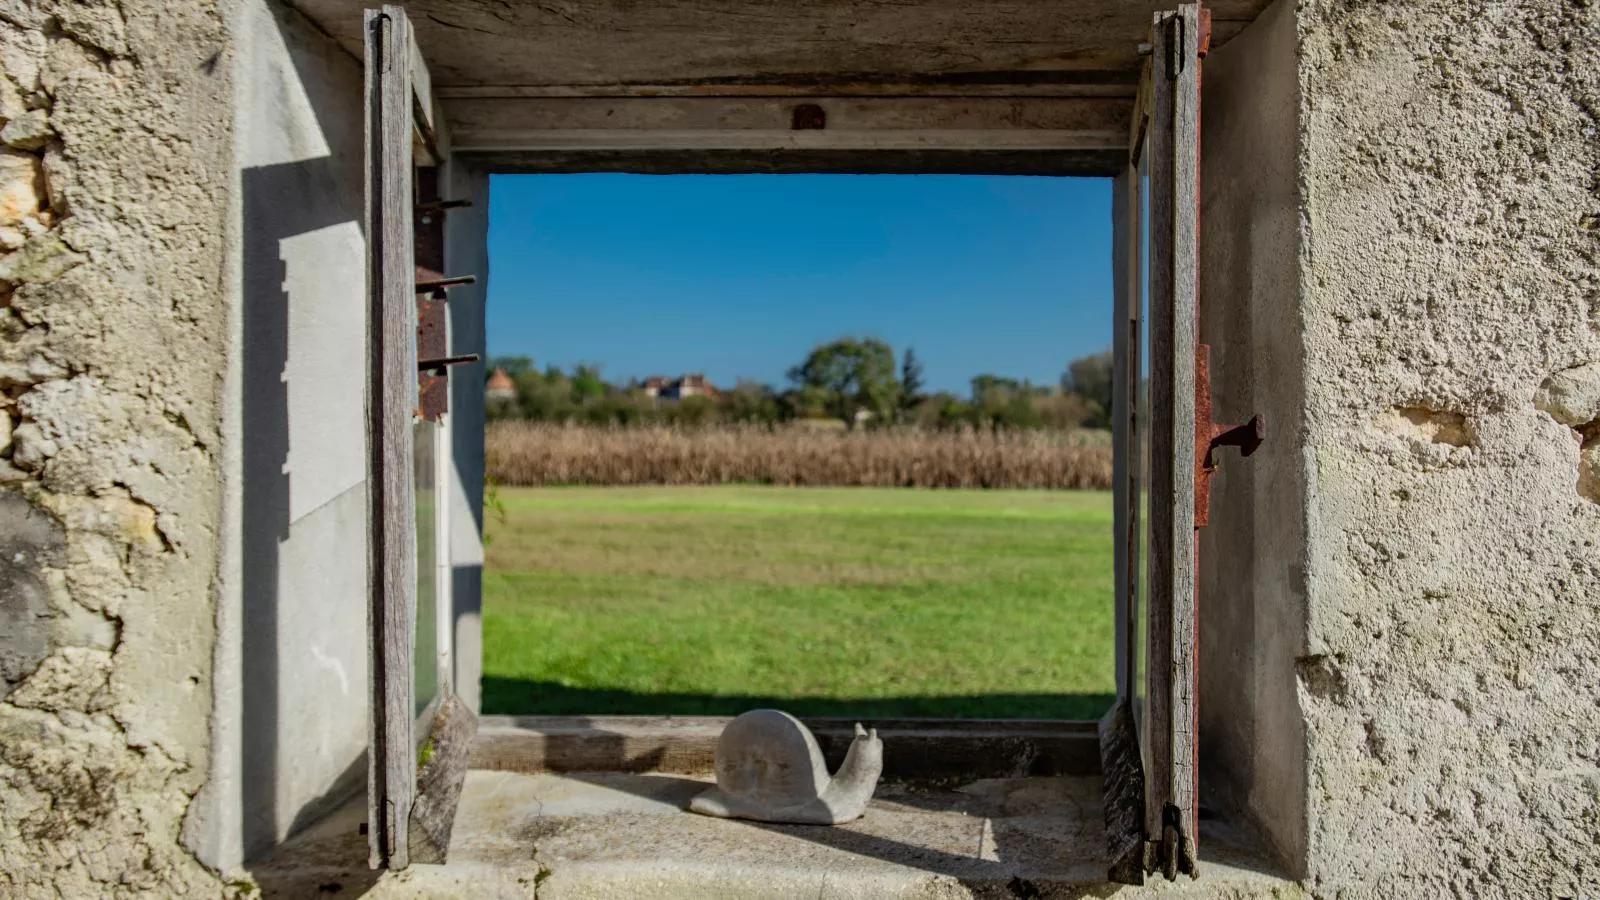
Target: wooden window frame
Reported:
[(403, 131), (1150, 735)]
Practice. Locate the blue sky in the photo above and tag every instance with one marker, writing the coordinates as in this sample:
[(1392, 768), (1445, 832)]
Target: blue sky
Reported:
[(739, 276)]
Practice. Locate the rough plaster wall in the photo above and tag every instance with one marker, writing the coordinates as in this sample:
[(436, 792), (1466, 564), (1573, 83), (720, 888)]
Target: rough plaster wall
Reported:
[(1252, 556), (1452, 184), (112, 190)]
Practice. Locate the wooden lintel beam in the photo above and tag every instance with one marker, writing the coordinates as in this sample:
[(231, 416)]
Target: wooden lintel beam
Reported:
[(843, 161), (760, 123), (473, 42), (1119, 87)]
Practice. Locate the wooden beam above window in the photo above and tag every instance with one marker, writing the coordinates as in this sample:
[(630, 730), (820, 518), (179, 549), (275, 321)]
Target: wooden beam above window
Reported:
[(624, 42), (516, 123)]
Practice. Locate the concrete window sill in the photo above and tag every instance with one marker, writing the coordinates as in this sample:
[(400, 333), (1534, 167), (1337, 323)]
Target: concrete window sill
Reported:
[(521, 831), (617, 835)]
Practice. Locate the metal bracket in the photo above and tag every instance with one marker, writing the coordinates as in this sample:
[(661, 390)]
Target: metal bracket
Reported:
[(438, 365), (1248, 437), (428, 209), (428, 206), (438, 286)]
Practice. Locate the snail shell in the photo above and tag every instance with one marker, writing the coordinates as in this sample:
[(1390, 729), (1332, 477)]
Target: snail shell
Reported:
[(770, 769)]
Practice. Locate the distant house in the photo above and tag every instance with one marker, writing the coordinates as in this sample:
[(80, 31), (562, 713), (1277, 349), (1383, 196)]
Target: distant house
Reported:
[(500, 386), (690, 385), (694, 385)]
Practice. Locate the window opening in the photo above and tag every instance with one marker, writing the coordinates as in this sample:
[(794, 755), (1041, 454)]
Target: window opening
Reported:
[(400, 108), (699, 521)]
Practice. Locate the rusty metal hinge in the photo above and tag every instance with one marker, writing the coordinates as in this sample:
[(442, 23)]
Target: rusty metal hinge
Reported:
[(1209, 436)]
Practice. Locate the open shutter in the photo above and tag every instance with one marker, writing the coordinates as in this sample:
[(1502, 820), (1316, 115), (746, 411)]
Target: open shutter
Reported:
[(391, 402), (1121, 765), (1170, 714), (1164, 460), (410, 812)]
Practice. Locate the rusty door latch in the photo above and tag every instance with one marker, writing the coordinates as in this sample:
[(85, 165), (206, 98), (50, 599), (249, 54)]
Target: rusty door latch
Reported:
[(1209, 436)]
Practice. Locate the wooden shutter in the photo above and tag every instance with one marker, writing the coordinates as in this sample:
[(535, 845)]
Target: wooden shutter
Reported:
[(1121, 765), (1170, 717), (391, 401), (410, 813)]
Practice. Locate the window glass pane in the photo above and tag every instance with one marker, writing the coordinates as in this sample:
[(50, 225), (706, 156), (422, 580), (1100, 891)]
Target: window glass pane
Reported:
[(425, 655)]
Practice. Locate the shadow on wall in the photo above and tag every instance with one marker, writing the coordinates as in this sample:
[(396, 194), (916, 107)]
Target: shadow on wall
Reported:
[(513, 696), (281, 202), (466, 594), (265, 439)]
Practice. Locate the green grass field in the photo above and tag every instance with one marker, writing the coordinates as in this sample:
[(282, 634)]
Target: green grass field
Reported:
[(854, 601)]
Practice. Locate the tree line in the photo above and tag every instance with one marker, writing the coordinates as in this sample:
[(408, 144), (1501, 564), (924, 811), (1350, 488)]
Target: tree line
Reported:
[(858, 382)]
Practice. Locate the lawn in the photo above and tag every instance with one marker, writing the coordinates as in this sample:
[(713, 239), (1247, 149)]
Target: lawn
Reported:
[(850, 601)]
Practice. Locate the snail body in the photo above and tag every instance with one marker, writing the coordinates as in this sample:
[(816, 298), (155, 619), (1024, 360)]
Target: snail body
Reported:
[(770, 769)]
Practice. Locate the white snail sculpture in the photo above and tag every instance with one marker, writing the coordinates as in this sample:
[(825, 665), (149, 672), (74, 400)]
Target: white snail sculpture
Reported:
[(770, 769)]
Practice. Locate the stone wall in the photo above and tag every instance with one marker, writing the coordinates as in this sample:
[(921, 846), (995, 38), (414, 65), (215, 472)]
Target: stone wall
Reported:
[(113, 185), (1451, 302)]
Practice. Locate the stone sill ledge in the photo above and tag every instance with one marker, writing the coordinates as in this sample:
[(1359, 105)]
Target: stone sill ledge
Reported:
[(595, 807), (625, 835)]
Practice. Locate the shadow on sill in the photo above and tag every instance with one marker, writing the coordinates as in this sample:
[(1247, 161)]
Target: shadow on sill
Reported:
[(514, 696), (583, 831)]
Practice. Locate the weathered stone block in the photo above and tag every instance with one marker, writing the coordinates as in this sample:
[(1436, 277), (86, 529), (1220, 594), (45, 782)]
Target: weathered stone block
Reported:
[(115, 515), (1589, 471), (25, 14), (57, 178), (12, 103), (97, 23), (30, 448), (1572, 396), (29, 131), (29, 540), (72, 678), (42, 259), (22, 187), (65, 59), (30, 370), (74, 624), (21, 49)]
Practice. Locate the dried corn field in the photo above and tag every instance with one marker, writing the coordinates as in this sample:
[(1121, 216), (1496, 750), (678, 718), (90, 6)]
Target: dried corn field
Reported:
[(536, 454)]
